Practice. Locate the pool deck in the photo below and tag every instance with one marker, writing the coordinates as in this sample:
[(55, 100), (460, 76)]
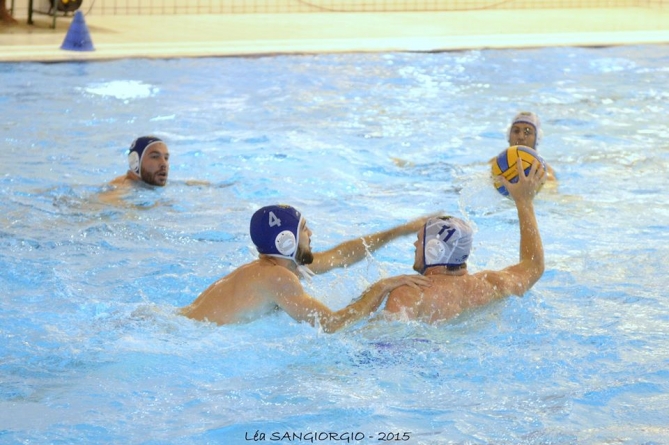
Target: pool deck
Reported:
[(166, 36)]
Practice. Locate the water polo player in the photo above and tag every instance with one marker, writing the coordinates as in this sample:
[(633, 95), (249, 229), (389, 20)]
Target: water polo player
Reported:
[(525, 129), (443, 247), (271, 282), (149, 161)]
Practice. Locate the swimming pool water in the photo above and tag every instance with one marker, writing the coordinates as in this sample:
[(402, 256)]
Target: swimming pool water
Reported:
[(92, 351)]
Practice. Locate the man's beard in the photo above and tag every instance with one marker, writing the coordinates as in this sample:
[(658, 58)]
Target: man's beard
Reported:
[(151, 178), (304, 256)]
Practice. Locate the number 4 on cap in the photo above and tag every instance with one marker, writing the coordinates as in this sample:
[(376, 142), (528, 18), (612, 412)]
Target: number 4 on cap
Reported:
[(273, 220)]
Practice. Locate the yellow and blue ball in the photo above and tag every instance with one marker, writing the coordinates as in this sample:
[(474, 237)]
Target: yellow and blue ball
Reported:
[(505, 164)]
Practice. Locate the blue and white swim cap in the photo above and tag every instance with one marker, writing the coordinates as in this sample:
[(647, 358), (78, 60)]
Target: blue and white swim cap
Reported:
[(527, 117), (447, 241), (275, 230), (136, 152)]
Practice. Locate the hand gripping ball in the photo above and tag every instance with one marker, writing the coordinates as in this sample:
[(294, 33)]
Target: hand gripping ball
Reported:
[(505, 164)]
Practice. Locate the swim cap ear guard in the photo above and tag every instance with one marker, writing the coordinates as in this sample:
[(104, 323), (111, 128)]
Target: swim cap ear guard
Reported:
[(286, 243), (435, 250), (136, 152), (447, 241), (275, 231), (527, 117)]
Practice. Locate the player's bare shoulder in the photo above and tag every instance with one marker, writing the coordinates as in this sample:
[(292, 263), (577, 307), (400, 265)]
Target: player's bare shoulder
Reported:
[(264, 275), (491, 284), (402, 299)]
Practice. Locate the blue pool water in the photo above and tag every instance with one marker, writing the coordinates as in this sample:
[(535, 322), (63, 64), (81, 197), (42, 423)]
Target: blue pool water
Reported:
[(91, 350)]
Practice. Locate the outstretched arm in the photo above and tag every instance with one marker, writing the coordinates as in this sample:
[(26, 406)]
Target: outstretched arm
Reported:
[(303, 307), (519, 278), (350, 252)]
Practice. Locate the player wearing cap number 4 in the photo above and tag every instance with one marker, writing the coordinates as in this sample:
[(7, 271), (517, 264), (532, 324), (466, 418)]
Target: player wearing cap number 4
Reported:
[(270, 283), (442, 250)]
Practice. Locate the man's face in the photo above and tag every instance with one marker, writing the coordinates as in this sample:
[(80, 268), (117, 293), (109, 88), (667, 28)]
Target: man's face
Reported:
[(156, 164), (304, 254), (418, 264), (522, 134)]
